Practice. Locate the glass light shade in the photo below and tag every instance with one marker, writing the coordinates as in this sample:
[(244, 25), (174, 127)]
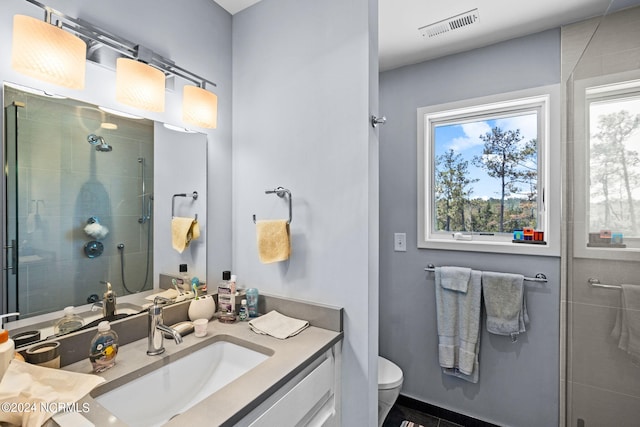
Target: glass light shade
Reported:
[(139, 85), (48, 53), (199, 107)]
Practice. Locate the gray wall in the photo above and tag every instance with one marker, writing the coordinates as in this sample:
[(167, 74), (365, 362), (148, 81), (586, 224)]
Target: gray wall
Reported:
[(518, 382), (168, 29), (302, 92)]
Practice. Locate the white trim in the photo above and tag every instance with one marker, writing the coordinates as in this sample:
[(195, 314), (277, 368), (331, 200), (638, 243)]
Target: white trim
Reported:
[(549, 152), (583, 89)]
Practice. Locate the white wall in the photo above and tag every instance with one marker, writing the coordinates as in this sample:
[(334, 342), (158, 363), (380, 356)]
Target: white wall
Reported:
[(301, 102), (197, 38)]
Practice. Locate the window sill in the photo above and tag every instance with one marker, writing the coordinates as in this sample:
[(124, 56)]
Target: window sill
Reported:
[(552, 248), (621, 254)]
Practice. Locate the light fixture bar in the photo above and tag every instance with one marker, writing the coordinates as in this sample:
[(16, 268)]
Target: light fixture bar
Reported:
[(120, 45)]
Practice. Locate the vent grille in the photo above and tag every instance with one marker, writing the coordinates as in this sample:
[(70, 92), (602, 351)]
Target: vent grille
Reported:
[(454, 23)]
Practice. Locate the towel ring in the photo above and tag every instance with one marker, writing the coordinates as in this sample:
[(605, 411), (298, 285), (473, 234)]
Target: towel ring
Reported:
[(280, 192), (194, 195)]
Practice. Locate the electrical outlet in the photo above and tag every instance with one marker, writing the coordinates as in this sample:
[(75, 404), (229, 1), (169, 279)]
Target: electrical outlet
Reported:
[(400, 242)]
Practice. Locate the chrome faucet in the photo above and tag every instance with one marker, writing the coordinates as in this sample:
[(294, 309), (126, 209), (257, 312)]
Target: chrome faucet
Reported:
[(108, 302), (157, 328)]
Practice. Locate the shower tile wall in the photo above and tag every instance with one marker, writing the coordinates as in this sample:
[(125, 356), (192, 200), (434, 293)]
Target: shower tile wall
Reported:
[(63, 181), (603, 386)]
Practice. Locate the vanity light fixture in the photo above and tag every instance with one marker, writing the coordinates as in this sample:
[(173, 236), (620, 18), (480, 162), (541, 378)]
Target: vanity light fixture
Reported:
[(140, 73), (139, 85), (199, 107), (47, 52)]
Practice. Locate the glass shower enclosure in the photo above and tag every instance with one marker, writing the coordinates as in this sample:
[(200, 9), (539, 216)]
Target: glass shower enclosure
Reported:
[(601, 72), (78, 203)]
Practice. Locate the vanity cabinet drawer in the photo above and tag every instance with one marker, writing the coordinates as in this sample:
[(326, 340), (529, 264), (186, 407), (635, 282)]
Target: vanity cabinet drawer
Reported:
[(310, 400)]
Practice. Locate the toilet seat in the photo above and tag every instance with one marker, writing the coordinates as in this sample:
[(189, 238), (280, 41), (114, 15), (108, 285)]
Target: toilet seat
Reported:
[(389, 374)]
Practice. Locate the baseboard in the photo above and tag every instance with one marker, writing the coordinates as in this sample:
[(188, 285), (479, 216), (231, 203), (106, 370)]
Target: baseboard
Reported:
[(445, 414)]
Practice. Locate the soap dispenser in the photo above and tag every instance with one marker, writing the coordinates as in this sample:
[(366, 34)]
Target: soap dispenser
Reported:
[(109, 302), (70, 322), (7, 347)]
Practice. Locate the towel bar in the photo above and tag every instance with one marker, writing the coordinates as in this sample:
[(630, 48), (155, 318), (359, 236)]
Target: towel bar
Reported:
[(596, 284), (540, 277), (280, 192), (194, 195)]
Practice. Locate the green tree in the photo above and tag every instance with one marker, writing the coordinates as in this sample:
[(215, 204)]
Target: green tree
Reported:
[(504, 158), (613, 131), (452, 188)]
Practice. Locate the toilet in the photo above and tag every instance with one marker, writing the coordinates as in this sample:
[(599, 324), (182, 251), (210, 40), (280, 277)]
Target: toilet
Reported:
[(389, 385)]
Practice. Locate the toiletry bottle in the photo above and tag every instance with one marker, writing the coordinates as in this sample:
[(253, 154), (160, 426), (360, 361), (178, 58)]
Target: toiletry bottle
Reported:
[(226, 299), (7, 347), (186, 279), (69, 322), (252, 302), (232, 283), (244, 311), (104, 348), (226, 276)]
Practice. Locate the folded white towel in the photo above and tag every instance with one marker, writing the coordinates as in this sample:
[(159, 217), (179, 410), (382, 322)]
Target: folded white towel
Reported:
[(455, 278), (627, 327), (504, 300), (25, 384), (277, 325), (458, 320)]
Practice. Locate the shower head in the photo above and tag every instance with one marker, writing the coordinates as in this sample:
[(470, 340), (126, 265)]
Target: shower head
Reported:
[(99, 142), (104, 147)]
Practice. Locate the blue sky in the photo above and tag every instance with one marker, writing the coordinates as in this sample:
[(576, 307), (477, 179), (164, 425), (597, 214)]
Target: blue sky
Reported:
[(465, 139)]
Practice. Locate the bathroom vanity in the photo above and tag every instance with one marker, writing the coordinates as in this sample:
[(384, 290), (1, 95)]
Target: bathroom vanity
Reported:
[(285, 382)]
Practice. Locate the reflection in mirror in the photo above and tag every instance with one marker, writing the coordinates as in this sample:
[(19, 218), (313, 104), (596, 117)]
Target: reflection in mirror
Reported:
[(614, 168), (79, 202)]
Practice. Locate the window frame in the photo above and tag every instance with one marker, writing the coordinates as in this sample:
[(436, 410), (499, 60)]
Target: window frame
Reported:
[(545, 101), (587, 91)]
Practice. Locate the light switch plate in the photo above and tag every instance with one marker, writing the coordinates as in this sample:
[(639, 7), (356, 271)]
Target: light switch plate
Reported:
[(400, 242)]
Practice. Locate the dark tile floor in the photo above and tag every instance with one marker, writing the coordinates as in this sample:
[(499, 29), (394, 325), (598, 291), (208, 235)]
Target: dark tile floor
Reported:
[(400, 413)]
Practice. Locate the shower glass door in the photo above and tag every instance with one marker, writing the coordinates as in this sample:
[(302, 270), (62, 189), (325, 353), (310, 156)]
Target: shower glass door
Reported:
[(79, 185), (601, 69), (10, 229)]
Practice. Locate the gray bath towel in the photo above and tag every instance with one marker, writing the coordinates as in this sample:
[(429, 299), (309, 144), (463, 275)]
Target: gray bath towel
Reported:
[(458, 320), (505, 304), (627, 327), (455, 278)]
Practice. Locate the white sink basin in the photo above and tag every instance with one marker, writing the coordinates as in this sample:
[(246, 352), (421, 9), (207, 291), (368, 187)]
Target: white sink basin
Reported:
[(155, 398)]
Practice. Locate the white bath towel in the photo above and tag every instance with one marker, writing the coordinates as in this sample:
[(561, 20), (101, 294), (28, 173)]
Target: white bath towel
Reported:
[(505, 304), (627, 327), (458, 320), (455, 278)]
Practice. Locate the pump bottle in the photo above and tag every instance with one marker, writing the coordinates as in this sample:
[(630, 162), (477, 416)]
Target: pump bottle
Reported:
[(7, 346)]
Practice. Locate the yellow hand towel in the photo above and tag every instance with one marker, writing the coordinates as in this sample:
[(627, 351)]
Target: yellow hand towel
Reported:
[(273, 240), (183, 231)]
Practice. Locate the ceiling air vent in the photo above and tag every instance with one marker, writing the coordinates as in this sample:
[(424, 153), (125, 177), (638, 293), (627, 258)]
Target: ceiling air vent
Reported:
[(454, 23)]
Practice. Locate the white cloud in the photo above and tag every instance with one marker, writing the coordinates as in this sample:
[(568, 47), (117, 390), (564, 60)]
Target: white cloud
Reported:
[(471, 138), (527, 124)]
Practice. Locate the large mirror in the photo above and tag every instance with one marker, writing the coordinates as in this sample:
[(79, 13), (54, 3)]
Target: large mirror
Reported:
[(80, 204)]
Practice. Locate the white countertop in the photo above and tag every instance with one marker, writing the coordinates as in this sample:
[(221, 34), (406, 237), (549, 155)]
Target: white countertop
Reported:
[(229, 404)]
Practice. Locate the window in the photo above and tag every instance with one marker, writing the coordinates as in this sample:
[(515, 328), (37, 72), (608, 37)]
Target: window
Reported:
[(483, 166), (613, 196)]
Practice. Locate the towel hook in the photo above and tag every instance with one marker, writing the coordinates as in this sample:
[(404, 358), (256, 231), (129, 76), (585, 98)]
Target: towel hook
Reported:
[(280, 192), (194, 195)]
